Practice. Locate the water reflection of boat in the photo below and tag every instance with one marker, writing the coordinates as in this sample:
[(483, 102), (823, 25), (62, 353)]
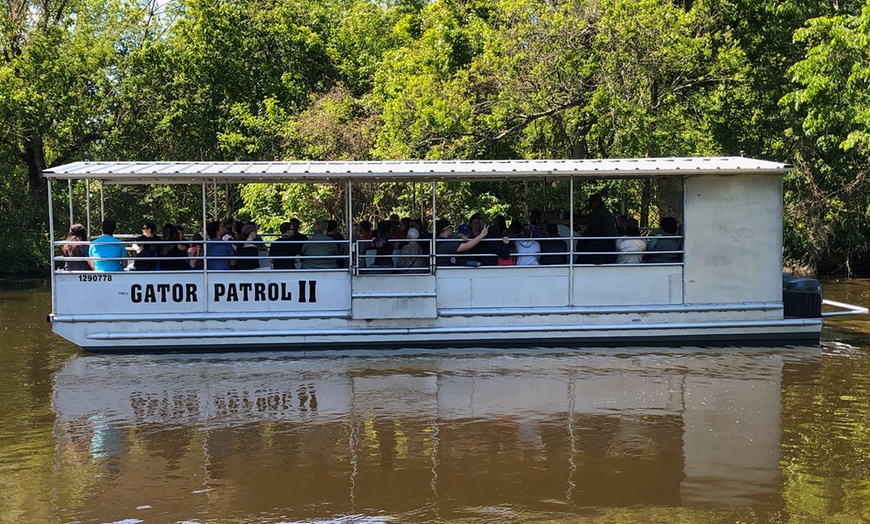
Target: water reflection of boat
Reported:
[(334, 435)]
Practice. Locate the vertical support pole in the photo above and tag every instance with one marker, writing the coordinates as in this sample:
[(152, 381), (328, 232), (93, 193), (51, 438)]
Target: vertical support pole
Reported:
[(571, 242), (51, 248), (70, 188), (88, 206), (205, 239), (352, 265), (102, 204), (433, 248)]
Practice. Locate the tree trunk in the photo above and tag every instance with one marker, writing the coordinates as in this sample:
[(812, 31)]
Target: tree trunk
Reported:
[(34, 157)]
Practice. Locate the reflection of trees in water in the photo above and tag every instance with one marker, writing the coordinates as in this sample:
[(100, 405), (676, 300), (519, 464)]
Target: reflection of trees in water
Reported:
[(826, 439)]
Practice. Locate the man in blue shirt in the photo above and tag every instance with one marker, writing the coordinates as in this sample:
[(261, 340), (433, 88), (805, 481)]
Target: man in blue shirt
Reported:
[(215, 247), (108, 247)]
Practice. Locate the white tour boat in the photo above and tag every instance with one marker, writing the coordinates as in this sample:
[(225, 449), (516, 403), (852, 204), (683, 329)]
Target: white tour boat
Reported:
[(724, 286)]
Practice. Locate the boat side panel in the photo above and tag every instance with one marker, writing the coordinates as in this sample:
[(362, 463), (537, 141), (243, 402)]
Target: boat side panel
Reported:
[(624, 285), (484, 287), (190, 292), (733, 239)]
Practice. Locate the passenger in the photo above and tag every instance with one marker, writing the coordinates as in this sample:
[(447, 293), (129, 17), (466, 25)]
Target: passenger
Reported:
[(382, 246), (399, 234), (146, 252), (464, 231), (500, 226), (636, 246), (173, 257), (599, 249), (599, 210), (77, 233), (333, 233), (506, 252), (286, 247), (528, 249), (411, 256), (107, 246), (554, 247), (229, 226), (474, 222), (318, 247), (249, 250), (446, 246), (298, 238), (219, 253), (621, 222), (364, 235), (420, 226), (535, 222), (669, 227), (194, 251), (262, 250)]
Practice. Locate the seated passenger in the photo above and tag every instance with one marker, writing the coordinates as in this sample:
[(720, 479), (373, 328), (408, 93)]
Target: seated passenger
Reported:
[(465, 232), (668, 227), (383, 248), (364, 235), (318, 247), (173, 257), (219, 253), (411, 253), (333, 233), (528, 249), (194, 251), (108, 247), (146, 252), (505, 251), (262, 250), (551, 243), (598, 248), (446, 246), (249, 249), (287, 246), (77, 233), (630, 245)]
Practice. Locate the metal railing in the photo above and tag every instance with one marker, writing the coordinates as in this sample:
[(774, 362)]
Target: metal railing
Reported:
[(363, 259)]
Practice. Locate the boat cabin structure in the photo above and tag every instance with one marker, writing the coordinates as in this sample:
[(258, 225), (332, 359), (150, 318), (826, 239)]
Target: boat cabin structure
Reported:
[(724, 284)]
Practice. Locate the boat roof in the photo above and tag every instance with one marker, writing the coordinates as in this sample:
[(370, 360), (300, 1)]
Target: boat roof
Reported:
[(407, 170)]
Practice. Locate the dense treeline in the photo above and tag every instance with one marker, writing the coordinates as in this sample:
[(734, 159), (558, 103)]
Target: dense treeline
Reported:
[(784, 80)]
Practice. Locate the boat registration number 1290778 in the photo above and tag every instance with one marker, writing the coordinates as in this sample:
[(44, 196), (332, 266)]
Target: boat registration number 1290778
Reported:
[(95, 278)]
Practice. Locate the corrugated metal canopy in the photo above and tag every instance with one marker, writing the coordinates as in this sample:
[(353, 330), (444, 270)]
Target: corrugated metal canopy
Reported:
[(404, 170)]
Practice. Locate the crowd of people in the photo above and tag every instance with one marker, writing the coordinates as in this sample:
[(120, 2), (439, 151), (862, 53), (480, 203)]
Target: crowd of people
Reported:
[(395, 245)]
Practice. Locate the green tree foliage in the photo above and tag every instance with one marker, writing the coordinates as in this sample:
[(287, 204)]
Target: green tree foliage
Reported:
[(829, 190), (359, 79)]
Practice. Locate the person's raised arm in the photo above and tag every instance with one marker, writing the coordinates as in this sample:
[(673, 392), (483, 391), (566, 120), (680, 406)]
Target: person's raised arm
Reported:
[(465, 246)]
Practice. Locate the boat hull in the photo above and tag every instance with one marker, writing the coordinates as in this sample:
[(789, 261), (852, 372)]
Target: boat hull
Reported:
[(573, 330)]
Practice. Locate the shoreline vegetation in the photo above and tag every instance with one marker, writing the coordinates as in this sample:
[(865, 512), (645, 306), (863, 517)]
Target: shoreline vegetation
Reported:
[(413, 79)]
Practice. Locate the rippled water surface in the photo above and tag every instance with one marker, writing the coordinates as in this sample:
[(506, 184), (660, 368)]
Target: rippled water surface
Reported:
[(604, 436)]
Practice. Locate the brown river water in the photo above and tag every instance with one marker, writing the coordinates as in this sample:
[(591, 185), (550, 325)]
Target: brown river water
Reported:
[(689, 435)]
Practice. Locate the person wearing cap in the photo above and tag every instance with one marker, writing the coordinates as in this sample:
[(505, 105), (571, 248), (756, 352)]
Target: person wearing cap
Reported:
[(320, 245), (599, 212), (446, 246), (248, 251)]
